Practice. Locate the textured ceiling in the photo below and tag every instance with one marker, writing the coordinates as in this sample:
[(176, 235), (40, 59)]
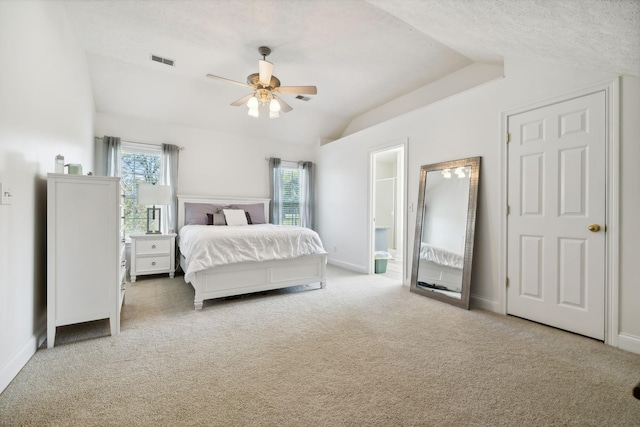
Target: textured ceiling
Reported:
[(595, 34), (360, 54)]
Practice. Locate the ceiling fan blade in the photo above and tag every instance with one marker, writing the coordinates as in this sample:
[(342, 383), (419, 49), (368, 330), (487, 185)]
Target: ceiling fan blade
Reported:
[(284, 107), (265, 69), (231, 81), (242, 100), (298, 90)]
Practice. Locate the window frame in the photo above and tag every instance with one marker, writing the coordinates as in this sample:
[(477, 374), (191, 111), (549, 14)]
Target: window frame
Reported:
[(128, 147)]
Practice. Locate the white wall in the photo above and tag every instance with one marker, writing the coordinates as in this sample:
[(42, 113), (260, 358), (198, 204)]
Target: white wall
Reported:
[(212, 163), (46, 108), (470, 76), (468, 125), (629, 209)]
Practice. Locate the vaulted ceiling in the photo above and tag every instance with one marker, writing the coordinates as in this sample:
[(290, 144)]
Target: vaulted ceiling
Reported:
[(360, 54)]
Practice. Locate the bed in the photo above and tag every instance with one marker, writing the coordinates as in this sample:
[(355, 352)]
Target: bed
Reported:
[(224, 273), (440, 268)]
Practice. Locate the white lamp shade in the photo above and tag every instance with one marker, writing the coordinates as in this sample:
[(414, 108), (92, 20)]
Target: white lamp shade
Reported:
[(252, 102), (149, 194)]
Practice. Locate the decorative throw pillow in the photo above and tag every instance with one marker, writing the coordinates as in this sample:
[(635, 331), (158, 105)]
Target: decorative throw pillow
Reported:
[(196, 213), (218, 219), (235, 217), (256, 211)]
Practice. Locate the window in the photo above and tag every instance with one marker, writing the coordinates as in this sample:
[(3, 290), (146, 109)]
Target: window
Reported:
[(140, 163), (292, 192), (290, 196)]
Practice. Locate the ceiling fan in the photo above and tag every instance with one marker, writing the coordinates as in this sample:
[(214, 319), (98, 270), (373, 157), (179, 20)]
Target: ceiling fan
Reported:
[(264, 86)]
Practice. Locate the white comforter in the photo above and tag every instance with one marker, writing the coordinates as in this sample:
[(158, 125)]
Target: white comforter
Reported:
[(440, 256), (206, 246)]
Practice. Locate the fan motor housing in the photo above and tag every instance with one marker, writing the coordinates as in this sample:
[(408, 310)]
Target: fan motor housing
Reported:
[(254, 80)]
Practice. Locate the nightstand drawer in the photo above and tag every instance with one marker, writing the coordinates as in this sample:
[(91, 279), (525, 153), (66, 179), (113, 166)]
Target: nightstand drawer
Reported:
[(152, 263), (155, 246), (152, 254)]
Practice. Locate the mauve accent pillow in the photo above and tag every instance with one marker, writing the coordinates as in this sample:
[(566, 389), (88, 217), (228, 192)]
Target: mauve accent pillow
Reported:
[(196, 213), (256, 212)]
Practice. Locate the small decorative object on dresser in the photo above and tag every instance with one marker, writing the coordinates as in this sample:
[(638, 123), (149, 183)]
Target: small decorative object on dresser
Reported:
[(85, 251), (152, 254)]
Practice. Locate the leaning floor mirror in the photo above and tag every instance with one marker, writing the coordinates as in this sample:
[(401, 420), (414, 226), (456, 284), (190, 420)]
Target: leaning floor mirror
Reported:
[(445, 228)]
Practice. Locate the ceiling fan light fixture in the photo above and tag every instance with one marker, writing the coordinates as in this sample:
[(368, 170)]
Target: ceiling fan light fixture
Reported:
[(253, 112), (264, 86), (274, 106), (252, 103)]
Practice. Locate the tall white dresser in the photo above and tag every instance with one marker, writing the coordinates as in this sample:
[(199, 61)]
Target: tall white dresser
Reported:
[(86, 262)]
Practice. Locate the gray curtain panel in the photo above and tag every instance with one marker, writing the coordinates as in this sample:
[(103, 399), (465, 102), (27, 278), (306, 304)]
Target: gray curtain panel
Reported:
[(170, 155), (112, 153), (307, 195), (275, 191)]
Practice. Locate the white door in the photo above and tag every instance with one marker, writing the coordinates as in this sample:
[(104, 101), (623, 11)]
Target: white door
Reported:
[(556, 222)]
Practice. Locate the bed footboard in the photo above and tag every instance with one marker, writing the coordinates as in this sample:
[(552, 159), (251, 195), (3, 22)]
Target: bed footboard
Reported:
[(248, 277)]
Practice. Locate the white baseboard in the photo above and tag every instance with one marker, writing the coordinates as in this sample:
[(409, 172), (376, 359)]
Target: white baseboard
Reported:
[(347, 266), (484, 304), (629, 343), (9, 372)]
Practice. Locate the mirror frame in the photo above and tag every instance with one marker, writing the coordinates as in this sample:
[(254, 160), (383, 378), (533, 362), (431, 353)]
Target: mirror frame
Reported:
[(474, 163)]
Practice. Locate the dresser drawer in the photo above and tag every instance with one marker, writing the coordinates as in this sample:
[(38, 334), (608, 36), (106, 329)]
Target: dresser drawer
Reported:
[(150, 247), (152, 263)]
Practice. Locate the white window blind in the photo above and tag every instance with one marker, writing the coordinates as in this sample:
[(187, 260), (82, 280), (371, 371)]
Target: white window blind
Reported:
[(289, 176)]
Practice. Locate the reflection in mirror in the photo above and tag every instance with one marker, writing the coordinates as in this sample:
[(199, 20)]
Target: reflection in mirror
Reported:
[(445, 226)]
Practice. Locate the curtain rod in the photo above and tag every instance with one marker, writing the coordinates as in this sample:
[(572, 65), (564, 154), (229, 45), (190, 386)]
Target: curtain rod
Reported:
[(285, 160), (138, 142), (147, 143)]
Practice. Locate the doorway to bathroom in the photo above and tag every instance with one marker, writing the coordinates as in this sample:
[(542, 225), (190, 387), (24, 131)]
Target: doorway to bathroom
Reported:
[(388, 216)]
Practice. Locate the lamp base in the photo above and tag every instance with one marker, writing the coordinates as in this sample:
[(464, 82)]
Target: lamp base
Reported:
[(153, 221)]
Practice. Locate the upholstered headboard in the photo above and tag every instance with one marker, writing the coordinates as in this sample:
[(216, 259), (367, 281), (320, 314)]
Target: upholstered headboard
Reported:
[(218, 200)]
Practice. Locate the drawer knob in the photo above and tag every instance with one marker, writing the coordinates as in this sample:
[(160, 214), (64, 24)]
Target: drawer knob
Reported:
[(153, 246), (153, 263)]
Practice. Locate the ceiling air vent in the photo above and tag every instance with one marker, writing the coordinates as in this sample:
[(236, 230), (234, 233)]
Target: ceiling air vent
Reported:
[(303, 98), (162, 60)]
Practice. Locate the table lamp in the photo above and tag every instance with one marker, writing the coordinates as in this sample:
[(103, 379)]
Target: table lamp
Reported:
[(149, 194)]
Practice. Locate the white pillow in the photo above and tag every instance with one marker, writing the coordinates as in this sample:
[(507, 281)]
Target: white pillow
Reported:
[(235, 217)]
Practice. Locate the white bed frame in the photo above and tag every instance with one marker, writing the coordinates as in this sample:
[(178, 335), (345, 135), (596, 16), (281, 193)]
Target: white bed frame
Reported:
[(438, 274), (248, 277)]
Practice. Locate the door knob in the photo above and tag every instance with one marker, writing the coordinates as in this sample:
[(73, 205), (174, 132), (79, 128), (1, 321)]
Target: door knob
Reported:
[(594, 227)]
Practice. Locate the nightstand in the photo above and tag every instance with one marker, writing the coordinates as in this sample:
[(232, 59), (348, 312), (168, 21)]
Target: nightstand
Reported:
[(152, 254)]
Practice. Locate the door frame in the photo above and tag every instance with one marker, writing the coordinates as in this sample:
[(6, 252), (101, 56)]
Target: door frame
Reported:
[(612, 199), (396, 144)]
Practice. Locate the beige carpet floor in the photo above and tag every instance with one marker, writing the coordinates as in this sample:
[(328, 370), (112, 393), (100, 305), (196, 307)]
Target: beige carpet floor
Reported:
[(362, 352)]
